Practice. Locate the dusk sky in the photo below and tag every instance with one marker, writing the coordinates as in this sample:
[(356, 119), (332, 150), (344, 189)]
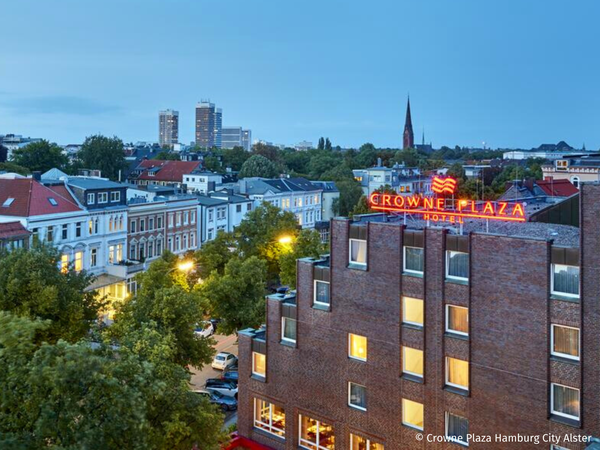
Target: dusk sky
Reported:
[(512, 73)]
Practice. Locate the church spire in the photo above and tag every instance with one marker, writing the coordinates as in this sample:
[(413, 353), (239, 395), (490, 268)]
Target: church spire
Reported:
[(409, 138)]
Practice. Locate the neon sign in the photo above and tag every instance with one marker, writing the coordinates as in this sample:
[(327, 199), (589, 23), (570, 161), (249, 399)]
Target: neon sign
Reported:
[(441, 185), (436, 209)]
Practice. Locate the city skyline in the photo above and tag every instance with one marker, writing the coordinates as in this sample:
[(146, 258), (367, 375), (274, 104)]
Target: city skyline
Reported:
[(503, 88)]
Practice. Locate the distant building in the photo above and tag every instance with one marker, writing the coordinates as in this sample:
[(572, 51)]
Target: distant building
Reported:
[(202, 182), (330, 193), (576, 169), (15, 141), (403, 180), (303, 145), (408, 137), (14, 235), (545, 151), (164, 173), (208, 125), (168, 128), (247, 140), (232, 137)]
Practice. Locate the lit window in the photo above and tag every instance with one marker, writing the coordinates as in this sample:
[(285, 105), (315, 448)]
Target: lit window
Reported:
[(413, 259), (64, 263), (457, 429), (78, 261), (412, 361), (412, 311), (565, 342), (564, 401), (565, 280), (357, 347), (357, 396), (457, 320), (322, 293), (457, 373), (269, 417), (457, 265), (412, 414), (259, 364), (315, 435), (288, 329), (358, 252), (361, 443)]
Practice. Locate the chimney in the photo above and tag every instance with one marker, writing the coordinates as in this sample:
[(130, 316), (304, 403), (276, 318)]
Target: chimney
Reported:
[(37, 175)]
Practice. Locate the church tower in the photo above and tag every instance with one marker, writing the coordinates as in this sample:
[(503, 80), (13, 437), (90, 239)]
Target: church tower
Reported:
[(409, 138)]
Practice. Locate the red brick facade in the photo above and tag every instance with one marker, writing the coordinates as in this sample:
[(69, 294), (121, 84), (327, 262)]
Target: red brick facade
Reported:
[(508, 348)]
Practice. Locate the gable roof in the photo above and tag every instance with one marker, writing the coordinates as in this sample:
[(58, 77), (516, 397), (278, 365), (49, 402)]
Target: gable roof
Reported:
[(557, 188), (31, 198), (171, 171), (13, 229), (278, 185)]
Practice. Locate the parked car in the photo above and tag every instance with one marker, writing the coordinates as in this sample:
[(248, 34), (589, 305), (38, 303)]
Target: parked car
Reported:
[(227, 388), (216, 398), (230, 375), (223, 360), (205, 329)]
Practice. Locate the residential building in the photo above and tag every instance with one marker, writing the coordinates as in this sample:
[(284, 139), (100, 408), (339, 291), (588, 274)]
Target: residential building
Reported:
[(182, 224), (545, 151), (214, 216), (202, 182), (297, 195), (168, 128), (238, 207), (576, 169), (231, 137), (409, 331), (14, 235), (553, 190), (164, 173), (15, 141), (208, 125), (303, 146), (330, 194), (403, 180), (247, 140)]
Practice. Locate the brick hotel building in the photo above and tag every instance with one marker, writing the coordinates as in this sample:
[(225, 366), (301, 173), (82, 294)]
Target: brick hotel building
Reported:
[(408, 329)]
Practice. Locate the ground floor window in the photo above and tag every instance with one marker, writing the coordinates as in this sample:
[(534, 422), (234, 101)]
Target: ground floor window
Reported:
[(360, 443), (315, 435), (269, 417)]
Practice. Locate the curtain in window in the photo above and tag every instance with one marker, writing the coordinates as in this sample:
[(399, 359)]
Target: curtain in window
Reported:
[(412, 413), (414, 259), (289, 331), (412, 311), (458, 427), (326, 437), (566, 279), (566, 341), (566, 400), (413, 360), (359, 443), (358, 395), (358, 251), (322, 292), (458, 319), (458, 372), (458, 264)]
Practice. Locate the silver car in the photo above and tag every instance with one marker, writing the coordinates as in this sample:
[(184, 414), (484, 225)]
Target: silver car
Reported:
[(223, 360)]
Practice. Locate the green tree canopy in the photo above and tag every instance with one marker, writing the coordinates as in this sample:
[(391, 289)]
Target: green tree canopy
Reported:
[(258, 166), (215, 254), (32, 285), (235, 157), (167, 155), (350, 193), (307, 245), (40, 156), (103, 153), (15, 168)]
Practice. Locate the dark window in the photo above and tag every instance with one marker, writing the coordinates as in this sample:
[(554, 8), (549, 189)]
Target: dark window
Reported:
[(413, 259), (322, 292), (457, 429)]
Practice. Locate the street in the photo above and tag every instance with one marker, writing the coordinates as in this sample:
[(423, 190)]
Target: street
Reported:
[(199, 377)]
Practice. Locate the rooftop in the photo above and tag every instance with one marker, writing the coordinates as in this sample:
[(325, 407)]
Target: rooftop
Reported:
[(12, 229), (26, 197)]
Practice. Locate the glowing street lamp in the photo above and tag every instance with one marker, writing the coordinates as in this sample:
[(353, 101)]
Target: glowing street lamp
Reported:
[(285, 240), (185, 266)]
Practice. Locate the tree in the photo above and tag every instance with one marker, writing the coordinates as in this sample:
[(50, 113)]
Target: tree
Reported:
[(350, 192), (457, 171), (340, 172), (212, 163), (321, 145), (321, 162), (258, 166), (268, 151), (327, 144), (367, 156), (237, 297), (166, 155), (103, 153), (307, 245), (215, 254), (40, 156), (32, 285), (297, 161), (3, 153), (362, 206), (235, 157), (166, 300), (14, 168)]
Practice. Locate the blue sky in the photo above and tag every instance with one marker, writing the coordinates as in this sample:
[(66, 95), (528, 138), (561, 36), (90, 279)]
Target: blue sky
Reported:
[(510, 73)]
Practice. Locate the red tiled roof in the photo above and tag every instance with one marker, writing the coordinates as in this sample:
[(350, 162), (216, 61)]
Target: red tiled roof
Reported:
[(12, 229), (31, 198), (62, 190), (172, 171), (558, 188)]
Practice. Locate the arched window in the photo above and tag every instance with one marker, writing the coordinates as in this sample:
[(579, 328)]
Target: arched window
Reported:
[(575, 181)]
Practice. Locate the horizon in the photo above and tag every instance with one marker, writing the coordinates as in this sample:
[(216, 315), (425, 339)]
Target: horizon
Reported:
[(500, 74)]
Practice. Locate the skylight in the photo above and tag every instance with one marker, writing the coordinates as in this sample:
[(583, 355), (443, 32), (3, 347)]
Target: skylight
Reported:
[(8, 202), (52, 201)]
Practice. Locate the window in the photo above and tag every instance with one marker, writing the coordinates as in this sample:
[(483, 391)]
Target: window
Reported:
[(186, 218), (159, 222), (413, 259), (322, 293), (91, 199), (412, 414), (557, 447), (50, 234), (457, 265), (142, 225), (457, 320), (357, 347), (178, 219), (249, 207), (457, 429), (115, 196), (93, 257), (565, 280), (102, 197), (170, 220), (132, 252), (457, 373), (259, 364), (565, 342), (78, 261), (132, 226), (269, 417), (158, 248), (412, 361), (357, 396), (288, 329), (150, 224), (193, 240), (64, 263), (358, 252), (210, 215), (9, 201), (78, 229), (177, 243), (115, 254), (64, 232), (412, 311), (238, 208), (564, 401), (185, 241), (361, 443), (575, 181), (193, 219), (315, 435)]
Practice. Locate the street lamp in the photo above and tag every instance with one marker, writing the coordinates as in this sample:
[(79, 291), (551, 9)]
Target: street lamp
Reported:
[(285, 240), (186, 266)]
